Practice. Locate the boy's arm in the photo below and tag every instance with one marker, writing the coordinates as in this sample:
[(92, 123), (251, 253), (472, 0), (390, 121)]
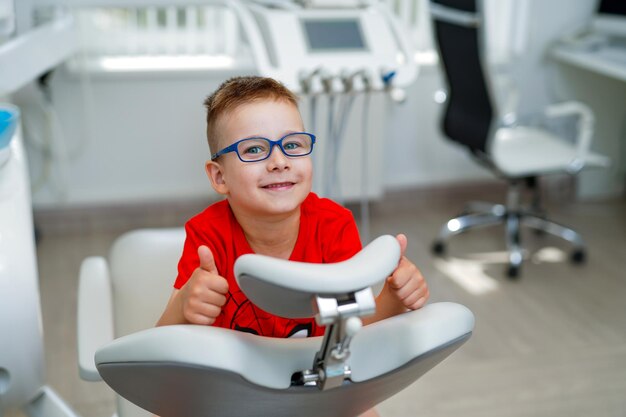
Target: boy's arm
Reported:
[(386, 306), (173, 311), (406, 289)]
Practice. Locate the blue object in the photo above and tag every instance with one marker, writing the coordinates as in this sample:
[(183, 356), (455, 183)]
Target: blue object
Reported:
[(9, 118), (388, 77), (257, 149)]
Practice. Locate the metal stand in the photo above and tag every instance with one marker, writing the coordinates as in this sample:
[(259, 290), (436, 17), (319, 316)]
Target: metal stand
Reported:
[(513, 215), (341, 316)]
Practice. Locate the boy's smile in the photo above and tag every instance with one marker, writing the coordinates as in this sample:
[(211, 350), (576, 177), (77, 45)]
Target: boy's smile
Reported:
[(280, 186), (274, 186)]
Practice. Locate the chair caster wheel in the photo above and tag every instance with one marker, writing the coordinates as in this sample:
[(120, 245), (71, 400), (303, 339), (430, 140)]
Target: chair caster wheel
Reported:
[(438, 248), (513, 272), (579, 256)]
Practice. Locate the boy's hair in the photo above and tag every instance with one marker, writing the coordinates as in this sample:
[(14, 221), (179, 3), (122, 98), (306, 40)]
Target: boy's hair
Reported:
[(237, 91)]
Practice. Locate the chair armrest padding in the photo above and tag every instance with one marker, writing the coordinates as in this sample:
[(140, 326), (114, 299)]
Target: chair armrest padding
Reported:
[(95, 314), (584, 128)]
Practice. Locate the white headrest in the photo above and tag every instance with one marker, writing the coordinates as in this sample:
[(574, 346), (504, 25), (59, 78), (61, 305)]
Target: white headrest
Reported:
[(287, 288)]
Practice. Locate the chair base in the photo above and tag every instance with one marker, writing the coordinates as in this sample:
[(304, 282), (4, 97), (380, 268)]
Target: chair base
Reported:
[(481, 214)]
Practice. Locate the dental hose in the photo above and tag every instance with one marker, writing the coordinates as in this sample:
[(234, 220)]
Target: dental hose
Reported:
[(365, 208), (338, 136), (328, 165)]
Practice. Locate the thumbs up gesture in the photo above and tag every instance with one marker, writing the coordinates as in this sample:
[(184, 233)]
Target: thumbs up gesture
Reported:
[(205, 293), (406, 282)]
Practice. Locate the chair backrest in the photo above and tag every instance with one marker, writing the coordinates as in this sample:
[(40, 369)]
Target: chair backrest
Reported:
[(143, 268), (142, 265), (469, 112)]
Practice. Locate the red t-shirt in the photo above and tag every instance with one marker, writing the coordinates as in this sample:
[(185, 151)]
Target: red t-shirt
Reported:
[(327, 234)]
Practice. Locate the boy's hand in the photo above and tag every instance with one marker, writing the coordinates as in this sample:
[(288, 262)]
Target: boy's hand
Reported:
[(205, 293), (407, 282)]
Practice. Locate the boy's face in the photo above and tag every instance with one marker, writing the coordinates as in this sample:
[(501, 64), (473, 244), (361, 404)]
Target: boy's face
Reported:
[(274, 186)]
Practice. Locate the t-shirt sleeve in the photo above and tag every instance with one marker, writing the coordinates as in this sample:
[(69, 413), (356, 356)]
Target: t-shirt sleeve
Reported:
[(344, 241), (189, 260)]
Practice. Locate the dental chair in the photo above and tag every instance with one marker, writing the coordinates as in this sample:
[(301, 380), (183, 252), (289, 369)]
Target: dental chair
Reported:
[(193, 371), (492, 133)]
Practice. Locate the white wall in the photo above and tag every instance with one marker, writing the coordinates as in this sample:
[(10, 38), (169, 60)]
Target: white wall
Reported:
[(533, 68), (138, 138), (127, 140), (133, 138), (417, 153)]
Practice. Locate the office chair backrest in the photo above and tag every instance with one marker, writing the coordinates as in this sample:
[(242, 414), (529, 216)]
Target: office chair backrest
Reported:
[(468, 114)]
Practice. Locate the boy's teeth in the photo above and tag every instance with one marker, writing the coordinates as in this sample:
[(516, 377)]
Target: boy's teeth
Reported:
[(282, 184)]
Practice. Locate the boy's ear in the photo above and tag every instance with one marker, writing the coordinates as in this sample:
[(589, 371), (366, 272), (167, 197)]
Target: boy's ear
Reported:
[(215, 174)]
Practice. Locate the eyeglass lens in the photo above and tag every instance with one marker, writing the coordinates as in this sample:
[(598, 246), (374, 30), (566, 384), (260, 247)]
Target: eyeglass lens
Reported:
[(255, 149)]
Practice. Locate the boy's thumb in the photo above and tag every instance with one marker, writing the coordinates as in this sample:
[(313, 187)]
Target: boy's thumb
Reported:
[(403, 241), (206, 259)]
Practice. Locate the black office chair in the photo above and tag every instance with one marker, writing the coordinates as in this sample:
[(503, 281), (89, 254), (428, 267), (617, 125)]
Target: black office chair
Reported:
[(517, 153)]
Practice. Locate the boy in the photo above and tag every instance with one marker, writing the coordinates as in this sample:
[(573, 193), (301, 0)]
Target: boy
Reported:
[(261, 163)]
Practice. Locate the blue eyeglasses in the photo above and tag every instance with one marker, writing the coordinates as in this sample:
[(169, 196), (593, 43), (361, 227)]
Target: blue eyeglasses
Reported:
[(257, 149)]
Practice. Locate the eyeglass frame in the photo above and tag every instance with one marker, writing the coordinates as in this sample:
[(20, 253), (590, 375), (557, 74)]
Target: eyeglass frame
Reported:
[(233, 147)]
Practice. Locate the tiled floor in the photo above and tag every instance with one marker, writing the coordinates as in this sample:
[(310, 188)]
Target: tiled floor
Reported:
[(552, 343)]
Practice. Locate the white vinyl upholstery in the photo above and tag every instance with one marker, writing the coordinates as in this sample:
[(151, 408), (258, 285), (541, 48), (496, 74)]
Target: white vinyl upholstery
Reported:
[(524, 151), (143, 266), (125, 293), (285, 288), (377, 349)]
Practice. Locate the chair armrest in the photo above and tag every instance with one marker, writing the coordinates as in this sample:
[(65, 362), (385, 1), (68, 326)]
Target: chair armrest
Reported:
[(95, 314), (584, 128), (506, 94)]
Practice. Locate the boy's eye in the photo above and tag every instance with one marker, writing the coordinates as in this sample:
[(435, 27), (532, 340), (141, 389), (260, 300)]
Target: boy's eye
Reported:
[(297, 144), (253, 147), (292, 145)]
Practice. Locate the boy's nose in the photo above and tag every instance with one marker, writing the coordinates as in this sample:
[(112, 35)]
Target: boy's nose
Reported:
[(277, 159)]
